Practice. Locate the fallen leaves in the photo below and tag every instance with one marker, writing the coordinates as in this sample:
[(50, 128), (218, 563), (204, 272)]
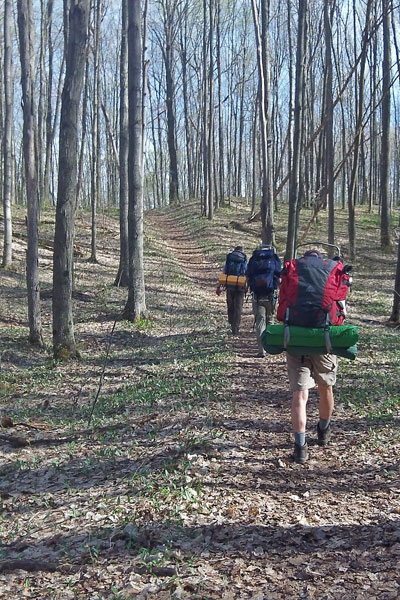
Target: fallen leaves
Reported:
[(198, 498)]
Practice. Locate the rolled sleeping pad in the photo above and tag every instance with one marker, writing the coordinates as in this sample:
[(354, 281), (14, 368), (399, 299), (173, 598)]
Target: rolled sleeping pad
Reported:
[(350, 352), (232, 280), (341, 336)]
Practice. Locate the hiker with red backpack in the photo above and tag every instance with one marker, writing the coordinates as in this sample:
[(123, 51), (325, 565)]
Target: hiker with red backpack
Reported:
[(312, 294), (263, 273), (234, 281)]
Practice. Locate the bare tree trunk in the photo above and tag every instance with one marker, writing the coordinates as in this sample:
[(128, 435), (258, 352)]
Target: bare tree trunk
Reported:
[(26, 29), (385, 137), (294, 187), (267, 204), (254, 155), (358, 131), (221, 158), (162, 182), (329, 146), (210, 154), (156, 183), (95, 170), (83, 121), (136, 304), (122, 277), (7, 136), (241, 119), (267, 197), (395, 316), (144, 81), (50, 128), (170, 11), (76, 23), (185, 100), (204, 124)]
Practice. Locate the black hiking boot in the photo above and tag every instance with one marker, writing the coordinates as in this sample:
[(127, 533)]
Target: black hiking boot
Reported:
[(324, 435), (300, 454)]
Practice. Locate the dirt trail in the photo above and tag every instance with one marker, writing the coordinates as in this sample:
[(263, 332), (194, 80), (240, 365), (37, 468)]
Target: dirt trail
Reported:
[(328, 529)]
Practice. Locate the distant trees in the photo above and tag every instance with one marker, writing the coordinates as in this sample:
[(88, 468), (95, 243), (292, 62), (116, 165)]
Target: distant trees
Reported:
[(296, 107), (203, 88)]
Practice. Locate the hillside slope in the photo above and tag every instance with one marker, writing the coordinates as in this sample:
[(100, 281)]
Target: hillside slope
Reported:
[(183, 487)]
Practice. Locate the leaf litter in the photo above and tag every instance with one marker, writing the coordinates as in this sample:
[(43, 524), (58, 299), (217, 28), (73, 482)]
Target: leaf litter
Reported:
[(183, 486)]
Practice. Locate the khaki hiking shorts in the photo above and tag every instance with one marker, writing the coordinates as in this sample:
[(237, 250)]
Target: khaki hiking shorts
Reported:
[(305, 372)]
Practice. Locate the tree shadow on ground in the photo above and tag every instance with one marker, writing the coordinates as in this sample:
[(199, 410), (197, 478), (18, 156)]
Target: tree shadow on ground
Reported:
[(357, 543)]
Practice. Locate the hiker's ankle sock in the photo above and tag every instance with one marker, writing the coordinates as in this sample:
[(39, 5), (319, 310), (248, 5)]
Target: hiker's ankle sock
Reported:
[(300, 438), (323, 424)]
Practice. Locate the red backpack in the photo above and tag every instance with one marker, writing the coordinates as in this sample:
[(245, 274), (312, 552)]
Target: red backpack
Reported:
[(313, 291)]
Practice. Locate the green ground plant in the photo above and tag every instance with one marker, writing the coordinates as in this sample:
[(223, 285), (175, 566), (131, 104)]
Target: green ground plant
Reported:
[(181, 446)]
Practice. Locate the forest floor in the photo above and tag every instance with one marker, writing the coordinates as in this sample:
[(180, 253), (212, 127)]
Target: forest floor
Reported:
[(182, 485)]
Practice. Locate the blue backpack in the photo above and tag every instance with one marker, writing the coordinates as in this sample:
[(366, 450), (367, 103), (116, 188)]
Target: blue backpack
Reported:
[(263, 271), (236, 263)]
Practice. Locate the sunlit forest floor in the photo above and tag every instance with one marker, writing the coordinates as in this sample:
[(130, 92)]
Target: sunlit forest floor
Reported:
[(182, 485)]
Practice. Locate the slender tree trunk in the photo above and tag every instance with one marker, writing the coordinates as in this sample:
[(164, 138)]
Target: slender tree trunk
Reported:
[(84, 121), (357, 139), (267, 204), (160, 147), (267, 232), (291, 86), (329, 146), (144, 81), (95, 170), (77, 17), (385, 137), (26, 29), (169, 8), (185, 100), (395, 316), (156, 182), (204, 123), (294, 185), (221, 158), (210, 146), (241, 126), (122, 277), (7, 136), (49, 107), (254, 154), (136, 303)]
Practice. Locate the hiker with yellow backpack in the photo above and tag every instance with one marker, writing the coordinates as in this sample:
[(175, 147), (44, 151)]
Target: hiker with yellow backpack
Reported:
[(234, 281), (312, 297)]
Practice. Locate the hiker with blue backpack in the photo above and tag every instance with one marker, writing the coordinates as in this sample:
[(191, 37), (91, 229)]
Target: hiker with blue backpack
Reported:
[(263, 273), (312, 299), (234, 281)]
